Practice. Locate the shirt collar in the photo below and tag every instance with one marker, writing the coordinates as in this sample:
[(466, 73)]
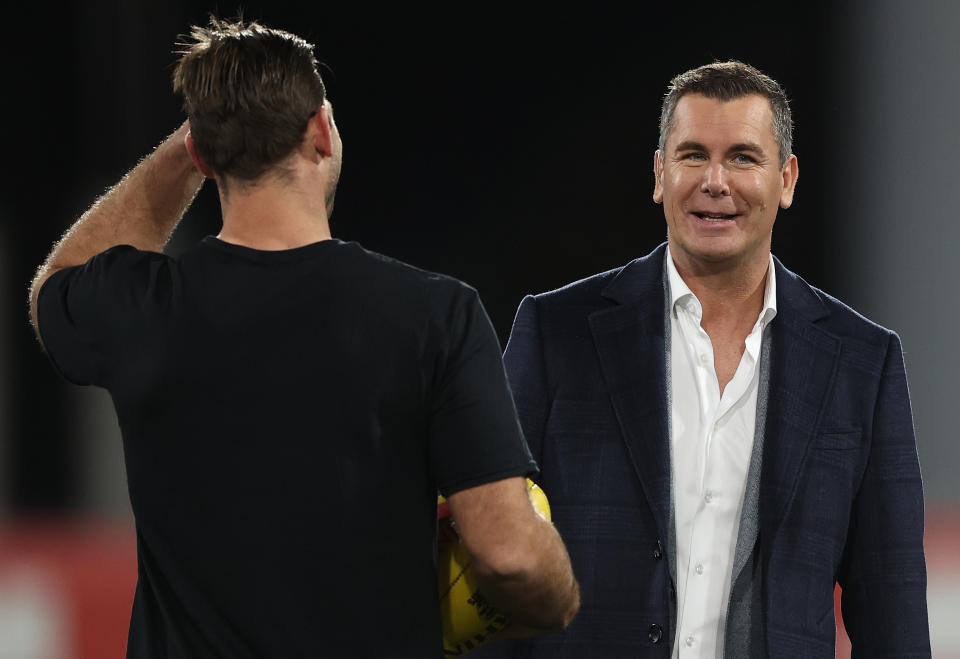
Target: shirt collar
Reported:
[(679, 291)]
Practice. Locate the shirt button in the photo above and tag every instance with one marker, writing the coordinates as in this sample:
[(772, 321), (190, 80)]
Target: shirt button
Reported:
[(689, 641), (708, 496), (699, 568), (704, 359), (655, 633)]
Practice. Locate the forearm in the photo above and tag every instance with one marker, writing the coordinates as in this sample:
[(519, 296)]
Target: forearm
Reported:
[(540, 596), (519, 560), (141, 210)]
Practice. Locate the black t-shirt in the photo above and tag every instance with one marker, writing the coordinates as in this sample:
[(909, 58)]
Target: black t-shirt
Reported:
[(288, 418)]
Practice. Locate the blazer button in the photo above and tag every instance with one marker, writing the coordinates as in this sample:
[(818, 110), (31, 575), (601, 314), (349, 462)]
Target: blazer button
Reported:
[(655, 633), (658, 551)]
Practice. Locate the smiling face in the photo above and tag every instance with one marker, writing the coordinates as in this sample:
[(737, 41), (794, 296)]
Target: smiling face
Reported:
[(720, 181)]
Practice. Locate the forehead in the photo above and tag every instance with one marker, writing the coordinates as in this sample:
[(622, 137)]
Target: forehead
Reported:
[(711, 121)]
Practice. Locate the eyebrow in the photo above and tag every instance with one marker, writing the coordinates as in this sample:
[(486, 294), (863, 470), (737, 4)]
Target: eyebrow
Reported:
[(690, 145), (748, 146)]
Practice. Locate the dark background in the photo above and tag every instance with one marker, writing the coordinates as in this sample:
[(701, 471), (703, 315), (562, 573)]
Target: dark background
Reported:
[(510, 146)]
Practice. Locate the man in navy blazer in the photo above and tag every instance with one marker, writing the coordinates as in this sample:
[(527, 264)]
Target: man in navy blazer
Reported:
[(805, 476)]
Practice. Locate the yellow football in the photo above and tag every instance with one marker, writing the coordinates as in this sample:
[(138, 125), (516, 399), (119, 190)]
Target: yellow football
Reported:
[(469, 621)]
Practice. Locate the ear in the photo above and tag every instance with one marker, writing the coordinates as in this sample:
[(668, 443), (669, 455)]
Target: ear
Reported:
[(319, 131), (195, 157), (657, 176), (790, 173)]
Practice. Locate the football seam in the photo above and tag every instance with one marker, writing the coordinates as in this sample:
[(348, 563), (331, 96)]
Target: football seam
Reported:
[(454, 582)]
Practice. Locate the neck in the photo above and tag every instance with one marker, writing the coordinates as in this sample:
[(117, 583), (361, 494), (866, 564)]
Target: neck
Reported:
[(273, 216), (726, 290)]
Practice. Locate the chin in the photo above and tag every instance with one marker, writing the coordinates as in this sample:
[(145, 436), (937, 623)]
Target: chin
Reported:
[(708, 251)]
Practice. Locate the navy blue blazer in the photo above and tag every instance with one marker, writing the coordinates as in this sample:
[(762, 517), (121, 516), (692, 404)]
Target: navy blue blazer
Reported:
[(840, 494)]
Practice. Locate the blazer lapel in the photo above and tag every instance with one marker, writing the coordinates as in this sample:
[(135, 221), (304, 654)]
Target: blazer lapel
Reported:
[(631, 345), (802, 370)]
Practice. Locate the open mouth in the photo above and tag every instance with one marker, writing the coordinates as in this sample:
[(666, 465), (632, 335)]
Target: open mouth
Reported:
[(715, 217)]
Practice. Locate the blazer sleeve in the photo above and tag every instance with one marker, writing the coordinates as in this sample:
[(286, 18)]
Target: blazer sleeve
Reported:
[(883, 572)]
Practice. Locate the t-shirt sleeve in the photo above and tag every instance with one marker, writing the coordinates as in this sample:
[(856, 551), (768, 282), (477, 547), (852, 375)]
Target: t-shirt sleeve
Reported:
[(474, 434), (86, 313)]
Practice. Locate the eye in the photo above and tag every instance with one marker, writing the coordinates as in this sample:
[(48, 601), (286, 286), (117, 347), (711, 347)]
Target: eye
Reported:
[(744, 159), (693, 155)]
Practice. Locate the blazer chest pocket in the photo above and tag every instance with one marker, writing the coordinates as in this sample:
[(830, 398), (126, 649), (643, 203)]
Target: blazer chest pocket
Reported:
[(838, 440)]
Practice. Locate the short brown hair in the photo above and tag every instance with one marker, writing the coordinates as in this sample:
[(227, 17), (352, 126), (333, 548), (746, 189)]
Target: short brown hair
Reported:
[(725, 81), (248, 91)]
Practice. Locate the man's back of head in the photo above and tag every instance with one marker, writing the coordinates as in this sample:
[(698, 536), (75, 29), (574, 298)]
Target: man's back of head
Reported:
[(249, 92), (261, 126)]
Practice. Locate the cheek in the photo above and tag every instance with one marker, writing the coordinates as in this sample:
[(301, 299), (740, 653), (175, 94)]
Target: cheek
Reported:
[(768, 195), (758, 191), (678, 185)]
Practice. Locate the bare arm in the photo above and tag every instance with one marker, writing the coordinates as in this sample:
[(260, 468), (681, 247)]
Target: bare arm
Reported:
[(141, 210), (519, 560)]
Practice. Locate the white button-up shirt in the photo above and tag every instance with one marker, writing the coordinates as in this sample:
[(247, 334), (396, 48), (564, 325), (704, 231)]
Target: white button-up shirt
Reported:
[(711, 440)]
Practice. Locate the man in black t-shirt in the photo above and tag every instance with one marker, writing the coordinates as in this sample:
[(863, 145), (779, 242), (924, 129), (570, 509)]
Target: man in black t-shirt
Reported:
[(290, 403)]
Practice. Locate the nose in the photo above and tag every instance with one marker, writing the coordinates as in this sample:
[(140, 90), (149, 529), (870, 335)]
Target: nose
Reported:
[(714, 181)]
